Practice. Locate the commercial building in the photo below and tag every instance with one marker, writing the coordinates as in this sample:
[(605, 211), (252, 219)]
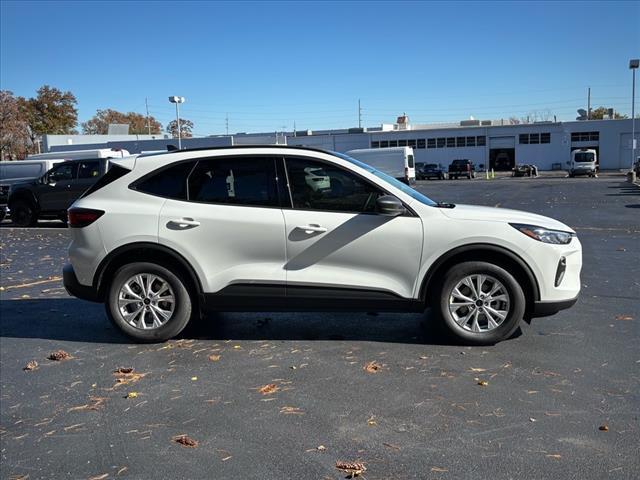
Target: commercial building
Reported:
[(489, 144)]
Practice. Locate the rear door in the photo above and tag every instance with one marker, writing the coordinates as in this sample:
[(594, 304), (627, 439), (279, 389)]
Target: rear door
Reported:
[(228, 224), (54, 192), (89, 171), (335, 240)]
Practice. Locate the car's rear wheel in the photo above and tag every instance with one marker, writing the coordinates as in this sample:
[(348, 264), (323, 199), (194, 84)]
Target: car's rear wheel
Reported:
[(481, 303), (148, 302), (23, 214)]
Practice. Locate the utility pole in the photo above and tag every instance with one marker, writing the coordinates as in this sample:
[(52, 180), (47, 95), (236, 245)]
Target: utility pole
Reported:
[(589, 104), (146, 104), (294, 129), (359, 115), (226, 123)]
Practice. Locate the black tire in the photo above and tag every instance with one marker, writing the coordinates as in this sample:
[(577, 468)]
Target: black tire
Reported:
[(183, 308), (23, 213), (509, 324)]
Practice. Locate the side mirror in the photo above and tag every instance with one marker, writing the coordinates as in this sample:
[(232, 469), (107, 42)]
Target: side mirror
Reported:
[(389, 205)]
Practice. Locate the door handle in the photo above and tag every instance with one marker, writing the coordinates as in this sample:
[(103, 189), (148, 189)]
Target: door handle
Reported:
[(312, 228), (184, 223)]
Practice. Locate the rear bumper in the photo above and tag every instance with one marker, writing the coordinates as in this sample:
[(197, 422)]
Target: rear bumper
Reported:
[(544, 309), (75, 289)]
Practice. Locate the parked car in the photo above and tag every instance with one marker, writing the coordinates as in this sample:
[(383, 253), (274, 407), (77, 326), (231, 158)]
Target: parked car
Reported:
[(462, 168), (20, 171), (160, 239), (427, 171), (50, 195), (583, 161), (397, 162)]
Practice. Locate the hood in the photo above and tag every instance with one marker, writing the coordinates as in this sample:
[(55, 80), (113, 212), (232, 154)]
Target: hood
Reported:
[(493, 214)]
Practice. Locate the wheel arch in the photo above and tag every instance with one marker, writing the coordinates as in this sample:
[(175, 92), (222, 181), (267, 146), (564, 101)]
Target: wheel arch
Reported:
[(24, 194), (145, 252), (498, 255)]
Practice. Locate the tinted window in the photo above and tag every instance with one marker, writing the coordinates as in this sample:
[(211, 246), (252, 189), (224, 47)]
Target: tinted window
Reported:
[(89, 169), (322, 186), (169, 182), (236, 181), (63, 172), (114, 173), (410, 161)]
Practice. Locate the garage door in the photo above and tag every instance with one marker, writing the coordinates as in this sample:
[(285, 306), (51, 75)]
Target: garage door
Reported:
[(502, 142)]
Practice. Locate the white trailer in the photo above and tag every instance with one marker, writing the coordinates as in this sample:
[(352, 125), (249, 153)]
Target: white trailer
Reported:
[(81, 154), (397, 162)]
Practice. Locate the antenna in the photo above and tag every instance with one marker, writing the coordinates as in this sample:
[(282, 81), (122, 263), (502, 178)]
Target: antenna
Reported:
[(146, 104)]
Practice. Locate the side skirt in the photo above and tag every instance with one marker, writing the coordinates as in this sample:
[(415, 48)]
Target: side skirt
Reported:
[(278, 298)]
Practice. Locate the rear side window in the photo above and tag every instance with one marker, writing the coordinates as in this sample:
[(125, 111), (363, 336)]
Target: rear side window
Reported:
[(410, 160), (114, 173), (168, 182), (235, 181), (88, 169)]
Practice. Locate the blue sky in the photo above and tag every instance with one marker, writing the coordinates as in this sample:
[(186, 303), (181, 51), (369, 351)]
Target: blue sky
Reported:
[(268, 64)]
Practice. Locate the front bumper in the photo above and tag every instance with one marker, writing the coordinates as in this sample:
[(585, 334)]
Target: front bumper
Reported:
[(75, 289), (544, 309)]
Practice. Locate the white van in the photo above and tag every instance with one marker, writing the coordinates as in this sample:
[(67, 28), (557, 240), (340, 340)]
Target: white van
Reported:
[(82, 154), (14, 169), (583, 162), (396, 161)]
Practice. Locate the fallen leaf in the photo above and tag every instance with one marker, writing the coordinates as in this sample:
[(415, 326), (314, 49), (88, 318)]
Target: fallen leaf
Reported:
[(126, 378), (268, 389), (372, 367), (132, 395), (478, 369), (291, 411), (321, 448), (96, 403), (123, 370), (624, 317), (531, 419), (99, 477), (32, 365), (554, 455), (391, 445), (214, 358), (372, 421), (185, 441), (603, 428), (438, 469), (58, 355), (122, 470), (237, 347), (352, 469), (483, 383), (193, 379)]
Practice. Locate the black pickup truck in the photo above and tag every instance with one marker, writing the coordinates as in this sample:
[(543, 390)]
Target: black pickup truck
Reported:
[(50, 195), (462, 168)]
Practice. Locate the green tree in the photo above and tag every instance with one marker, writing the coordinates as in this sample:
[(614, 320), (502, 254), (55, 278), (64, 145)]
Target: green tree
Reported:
[(600, 112), (99, 123), (186, 128), (52, 111)]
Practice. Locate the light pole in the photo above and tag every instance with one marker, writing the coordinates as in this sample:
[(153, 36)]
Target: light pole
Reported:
[(633, 65), (178, 101)]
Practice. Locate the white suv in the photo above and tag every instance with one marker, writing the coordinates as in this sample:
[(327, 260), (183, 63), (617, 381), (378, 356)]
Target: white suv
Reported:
[(163, 237)]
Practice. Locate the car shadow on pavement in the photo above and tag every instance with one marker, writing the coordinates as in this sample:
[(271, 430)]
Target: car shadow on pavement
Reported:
[(68, 319)]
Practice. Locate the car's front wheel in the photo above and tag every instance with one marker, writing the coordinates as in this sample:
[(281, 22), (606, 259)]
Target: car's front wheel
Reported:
[(148, 302), (481, 303)]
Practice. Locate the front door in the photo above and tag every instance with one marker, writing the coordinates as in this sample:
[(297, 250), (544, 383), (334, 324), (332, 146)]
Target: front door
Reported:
[(335, 240), (54, 191)]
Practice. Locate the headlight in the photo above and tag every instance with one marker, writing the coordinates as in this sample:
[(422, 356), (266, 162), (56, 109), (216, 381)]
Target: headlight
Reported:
[(543, 234)]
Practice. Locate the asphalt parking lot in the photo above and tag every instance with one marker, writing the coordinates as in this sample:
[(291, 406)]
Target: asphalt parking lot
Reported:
[(274, 396)]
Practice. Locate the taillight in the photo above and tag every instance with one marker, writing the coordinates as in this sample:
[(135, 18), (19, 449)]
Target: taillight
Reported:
[(82, 217)]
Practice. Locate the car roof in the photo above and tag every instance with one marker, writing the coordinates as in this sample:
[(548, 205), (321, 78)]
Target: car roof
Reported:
[(236, 147)]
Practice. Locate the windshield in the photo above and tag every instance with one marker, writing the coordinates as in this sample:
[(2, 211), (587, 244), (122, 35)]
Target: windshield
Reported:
[(389, 179), (584, 157), (431, 165)]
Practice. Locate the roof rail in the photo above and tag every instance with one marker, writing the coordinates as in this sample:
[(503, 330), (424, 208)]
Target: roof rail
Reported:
[(173, 149)]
